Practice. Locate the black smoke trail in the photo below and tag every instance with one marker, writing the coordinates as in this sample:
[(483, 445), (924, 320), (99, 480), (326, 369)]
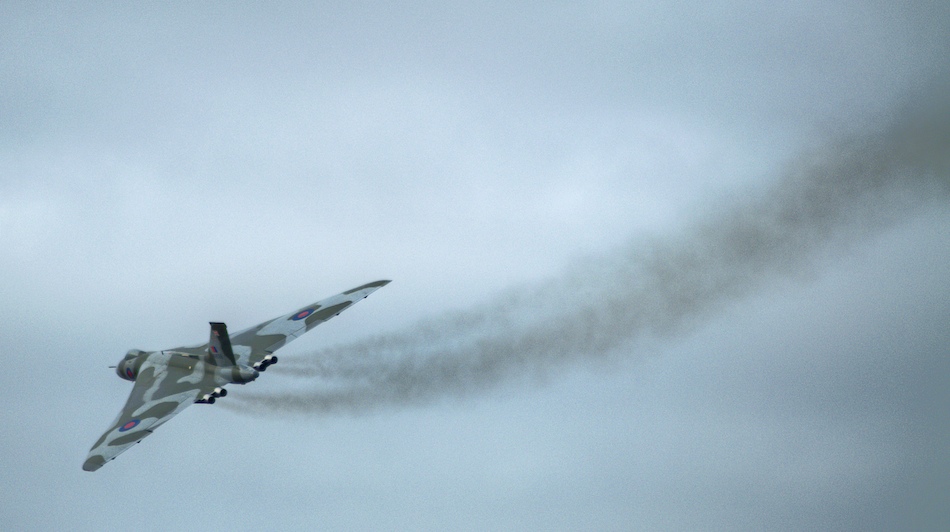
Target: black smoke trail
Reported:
[(832, 196)]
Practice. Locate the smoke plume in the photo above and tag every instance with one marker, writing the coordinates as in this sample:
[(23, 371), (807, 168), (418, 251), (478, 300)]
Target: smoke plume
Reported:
[(830, 197)]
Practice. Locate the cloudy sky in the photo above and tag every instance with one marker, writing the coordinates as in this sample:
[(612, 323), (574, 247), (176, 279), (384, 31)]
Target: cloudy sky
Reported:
[(654, 267)]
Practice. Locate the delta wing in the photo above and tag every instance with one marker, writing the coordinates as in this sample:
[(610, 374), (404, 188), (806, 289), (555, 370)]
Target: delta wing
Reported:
[(165, 385), (252, 345)]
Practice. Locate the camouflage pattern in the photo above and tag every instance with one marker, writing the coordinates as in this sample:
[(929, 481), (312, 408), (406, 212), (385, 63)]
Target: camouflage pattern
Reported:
[(168, 381)]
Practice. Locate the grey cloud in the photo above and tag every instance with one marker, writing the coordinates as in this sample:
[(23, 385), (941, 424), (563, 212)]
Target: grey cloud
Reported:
[(784, 365)]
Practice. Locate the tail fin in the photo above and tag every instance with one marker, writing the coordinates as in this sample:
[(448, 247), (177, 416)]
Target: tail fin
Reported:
[(220, 345)]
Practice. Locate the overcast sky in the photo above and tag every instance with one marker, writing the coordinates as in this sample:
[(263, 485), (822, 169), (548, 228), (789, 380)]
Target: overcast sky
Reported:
[(654, 267)]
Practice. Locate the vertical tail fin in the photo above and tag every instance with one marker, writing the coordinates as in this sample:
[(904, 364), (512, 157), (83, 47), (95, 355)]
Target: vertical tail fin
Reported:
[(220, 345)]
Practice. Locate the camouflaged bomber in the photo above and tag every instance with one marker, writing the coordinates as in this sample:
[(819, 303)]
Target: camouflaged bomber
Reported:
[(167, 382)]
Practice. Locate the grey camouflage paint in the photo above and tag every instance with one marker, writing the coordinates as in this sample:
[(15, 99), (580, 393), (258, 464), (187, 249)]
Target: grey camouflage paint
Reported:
[(168, 381)]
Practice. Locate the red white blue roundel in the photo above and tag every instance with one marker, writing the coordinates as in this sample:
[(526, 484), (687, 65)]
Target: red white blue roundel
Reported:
[(302, 314), (130, 425), (129, 373)]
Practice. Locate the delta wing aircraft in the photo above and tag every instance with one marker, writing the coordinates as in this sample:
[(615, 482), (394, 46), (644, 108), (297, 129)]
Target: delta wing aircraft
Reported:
[(167, 382)]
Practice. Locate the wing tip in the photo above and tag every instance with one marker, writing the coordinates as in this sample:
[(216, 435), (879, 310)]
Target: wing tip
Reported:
[(374, 285), (93, 463)]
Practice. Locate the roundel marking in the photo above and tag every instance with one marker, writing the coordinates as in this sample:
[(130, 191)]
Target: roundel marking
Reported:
[(128, 372), (130, 425), (302, 314)]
